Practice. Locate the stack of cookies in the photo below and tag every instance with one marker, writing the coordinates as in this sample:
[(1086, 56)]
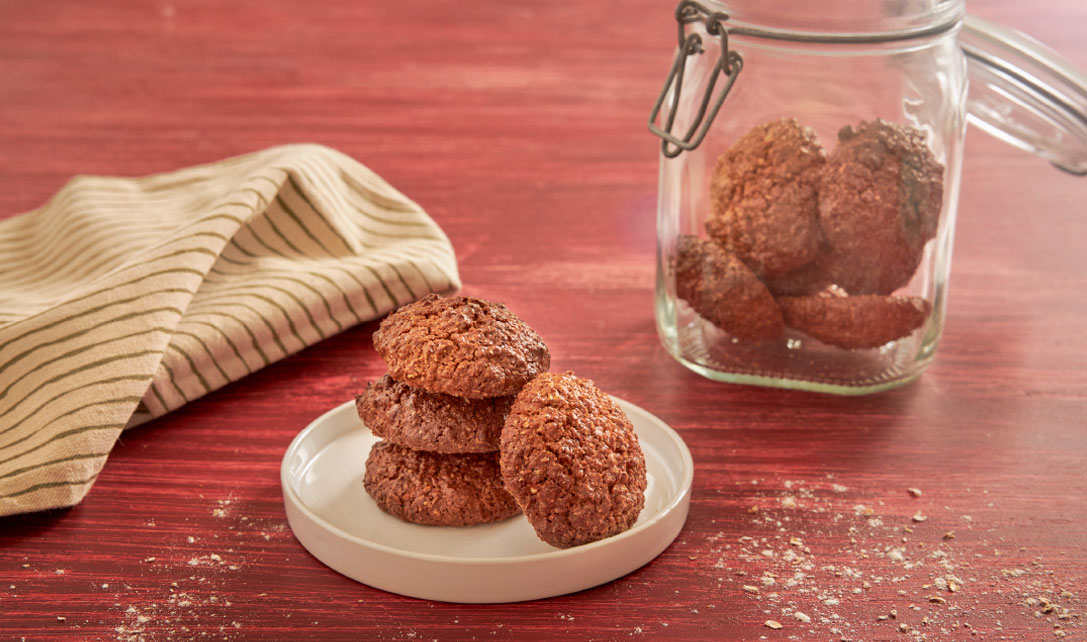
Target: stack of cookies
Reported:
[(454, 365), (475, 430)]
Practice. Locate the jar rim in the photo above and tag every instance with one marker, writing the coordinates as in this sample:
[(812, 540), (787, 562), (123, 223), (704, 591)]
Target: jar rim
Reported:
[(840, 22)]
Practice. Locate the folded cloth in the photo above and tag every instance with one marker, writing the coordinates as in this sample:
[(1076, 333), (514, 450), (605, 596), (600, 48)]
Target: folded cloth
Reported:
[(123, 299)]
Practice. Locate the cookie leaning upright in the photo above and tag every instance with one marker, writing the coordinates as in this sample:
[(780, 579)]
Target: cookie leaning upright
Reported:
[(719, 287), (765, 198), (879, 204), (460, 346), (572, 461)]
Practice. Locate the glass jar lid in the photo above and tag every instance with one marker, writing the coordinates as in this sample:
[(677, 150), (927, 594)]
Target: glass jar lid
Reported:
[(1026, 94)]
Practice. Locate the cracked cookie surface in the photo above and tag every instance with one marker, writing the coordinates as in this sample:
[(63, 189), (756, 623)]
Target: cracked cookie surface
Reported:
[(432, 421), (855, 322), (571, 459), (437, 489), (460, 346), (765, 198), (879, 204), (720, 288)]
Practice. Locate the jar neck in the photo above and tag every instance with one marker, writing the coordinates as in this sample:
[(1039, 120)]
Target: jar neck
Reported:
[(839, 20)]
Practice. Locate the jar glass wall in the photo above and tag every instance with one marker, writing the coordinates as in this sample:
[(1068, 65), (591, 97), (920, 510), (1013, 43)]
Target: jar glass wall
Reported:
[(841, 152)]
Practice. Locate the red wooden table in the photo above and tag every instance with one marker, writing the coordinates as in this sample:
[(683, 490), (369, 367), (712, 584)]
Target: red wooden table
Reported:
[(521, 128)]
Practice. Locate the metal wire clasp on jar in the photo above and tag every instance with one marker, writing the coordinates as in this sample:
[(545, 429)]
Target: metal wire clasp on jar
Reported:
[(806, 208)]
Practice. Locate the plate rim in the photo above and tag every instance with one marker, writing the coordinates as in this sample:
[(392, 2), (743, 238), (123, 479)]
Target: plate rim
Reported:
[(683, 490)]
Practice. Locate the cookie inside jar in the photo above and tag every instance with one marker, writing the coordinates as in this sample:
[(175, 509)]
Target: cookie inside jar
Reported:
[(809, 248)]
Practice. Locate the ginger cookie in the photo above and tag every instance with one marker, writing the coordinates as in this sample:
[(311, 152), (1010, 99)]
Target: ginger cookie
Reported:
[(460, 346), (720, 288), (765, 198), (855, 322), (879, 204), (431, 421), (437, 489), (572, 461)]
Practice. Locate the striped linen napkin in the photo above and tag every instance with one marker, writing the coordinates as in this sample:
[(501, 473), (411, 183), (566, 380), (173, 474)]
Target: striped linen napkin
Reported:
[(123, 299)]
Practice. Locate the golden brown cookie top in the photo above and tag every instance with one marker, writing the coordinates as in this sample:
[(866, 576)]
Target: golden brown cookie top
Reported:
[(460, 346), (572, 461), (879, 203), (899, 151), (765, 199)]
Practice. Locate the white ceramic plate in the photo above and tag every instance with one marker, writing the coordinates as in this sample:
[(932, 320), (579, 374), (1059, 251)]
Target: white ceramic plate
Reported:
[(336, 520)]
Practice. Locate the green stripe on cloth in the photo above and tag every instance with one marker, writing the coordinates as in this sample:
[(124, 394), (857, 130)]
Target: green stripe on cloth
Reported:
[(124, 298)]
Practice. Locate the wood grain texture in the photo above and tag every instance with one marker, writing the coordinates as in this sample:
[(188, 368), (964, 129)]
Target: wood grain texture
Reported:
[(520, 127)]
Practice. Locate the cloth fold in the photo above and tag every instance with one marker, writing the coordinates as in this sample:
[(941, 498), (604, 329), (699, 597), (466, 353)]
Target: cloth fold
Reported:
[(123, 299)]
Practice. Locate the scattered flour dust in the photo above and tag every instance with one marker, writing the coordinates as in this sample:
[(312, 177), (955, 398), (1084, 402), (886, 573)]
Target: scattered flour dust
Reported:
[(188, 590), (928, 586)]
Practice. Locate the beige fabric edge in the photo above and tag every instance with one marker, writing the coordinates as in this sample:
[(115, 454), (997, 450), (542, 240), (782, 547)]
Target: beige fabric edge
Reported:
[(124, 298)]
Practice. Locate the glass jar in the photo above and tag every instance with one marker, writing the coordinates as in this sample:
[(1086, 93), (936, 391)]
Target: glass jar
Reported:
[(809, 179)]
